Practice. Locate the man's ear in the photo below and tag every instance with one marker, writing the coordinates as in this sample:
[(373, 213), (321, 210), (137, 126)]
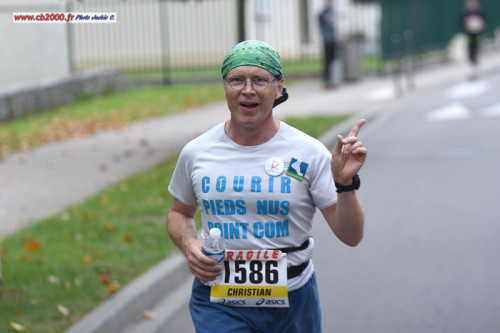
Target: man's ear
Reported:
[(281, 99), (279, 93)]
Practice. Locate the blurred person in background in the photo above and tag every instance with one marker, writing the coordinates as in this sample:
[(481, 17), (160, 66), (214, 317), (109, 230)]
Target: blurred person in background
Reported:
[(327, 29), (255, 158), (473, 23)]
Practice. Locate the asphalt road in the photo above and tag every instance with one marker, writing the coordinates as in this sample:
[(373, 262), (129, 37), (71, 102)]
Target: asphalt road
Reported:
[(429, 260)]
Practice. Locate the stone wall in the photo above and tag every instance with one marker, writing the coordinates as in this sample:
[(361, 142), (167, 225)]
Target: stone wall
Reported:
[(20, 100)]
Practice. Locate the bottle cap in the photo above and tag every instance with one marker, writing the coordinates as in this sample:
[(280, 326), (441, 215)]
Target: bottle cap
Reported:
[(215, 233)]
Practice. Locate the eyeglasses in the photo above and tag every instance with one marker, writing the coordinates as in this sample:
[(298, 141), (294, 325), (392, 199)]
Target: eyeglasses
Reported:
[(258, 83)]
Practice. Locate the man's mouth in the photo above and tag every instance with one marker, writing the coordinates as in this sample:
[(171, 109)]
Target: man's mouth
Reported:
[(249, 105)]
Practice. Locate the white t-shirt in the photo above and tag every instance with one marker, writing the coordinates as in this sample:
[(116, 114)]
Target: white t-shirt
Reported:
[(253, 205)]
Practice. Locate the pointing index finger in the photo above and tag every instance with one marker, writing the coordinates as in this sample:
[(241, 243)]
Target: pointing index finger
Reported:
[(354, 131)]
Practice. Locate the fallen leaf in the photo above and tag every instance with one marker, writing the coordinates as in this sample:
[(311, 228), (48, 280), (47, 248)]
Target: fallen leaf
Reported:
[(53, 279), (104, 279), (148, 315), (104, 198), (68, 153), (89, 216), (112, 210), (110, 227), (128, 153), (33, 245), (128, 239), (62, 309), (113, 287), (76, 282), (17, 327), (87, 259)]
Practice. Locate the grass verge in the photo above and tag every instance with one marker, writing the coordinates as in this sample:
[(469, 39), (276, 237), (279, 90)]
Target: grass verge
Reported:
[(114, 110), (315, 126), (78, 258)]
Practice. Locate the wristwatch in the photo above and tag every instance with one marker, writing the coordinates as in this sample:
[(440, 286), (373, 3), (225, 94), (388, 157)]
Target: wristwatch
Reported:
[(354, 186)]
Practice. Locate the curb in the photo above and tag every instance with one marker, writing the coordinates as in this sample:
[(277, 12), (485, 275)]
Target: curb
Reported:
[(142, 293)]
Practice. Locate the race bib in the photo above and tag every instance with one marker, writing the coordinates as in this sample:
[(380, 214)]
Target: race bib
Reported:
[(253, 278)]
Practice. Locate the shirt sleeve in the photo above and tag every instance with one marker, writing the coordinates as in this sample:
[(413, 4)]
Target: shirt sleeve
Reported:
[(181, 186), (322, 187)]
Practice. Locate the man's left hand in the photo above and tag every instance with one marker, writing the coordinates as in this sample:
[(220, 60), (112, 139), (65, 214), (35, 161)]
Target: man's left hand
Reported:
[(348, 156)]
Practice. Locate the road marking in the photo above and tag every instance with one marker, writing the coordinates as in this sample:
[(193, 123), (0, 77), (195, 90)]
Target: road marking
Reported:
[(467, 89), (454, 111), (382, 94), (491, 111)]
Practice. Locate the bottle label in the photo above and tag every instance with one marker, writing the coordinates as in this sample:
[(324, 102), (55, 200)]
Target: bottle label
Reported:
[(217, 256), (253, 278)]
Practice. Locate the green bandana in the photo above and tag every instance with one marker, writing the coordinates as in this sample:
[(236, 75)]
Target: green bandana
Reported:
[(252, 53)]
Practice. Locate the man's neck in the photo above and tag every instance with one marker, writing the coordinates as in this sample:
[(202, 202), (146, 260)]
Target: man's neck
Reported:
[(252, 135)]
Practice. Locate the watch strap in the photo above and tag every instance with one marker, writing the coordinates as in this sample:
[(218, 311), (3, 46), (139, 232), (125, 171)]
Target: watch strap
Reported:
[(356, 183)]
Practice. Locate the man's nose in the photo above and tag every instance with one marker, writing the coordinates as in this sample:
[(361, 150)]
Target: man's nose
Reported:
[(248, 87)]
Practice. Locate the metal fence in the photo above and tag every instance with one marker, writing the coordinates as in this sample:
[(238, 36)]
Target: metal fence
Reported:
[(170, 41), (185, 41), (418, 26)]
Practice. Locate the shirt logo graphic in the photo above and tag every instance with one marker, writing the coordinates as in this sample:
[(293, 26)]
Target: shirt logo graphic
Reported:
[(274, 166), (297, 169)]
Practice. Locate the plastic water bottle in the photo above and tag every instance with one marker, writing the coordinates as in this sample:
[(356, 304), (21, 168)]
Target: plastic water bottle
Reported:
[(213, 246)]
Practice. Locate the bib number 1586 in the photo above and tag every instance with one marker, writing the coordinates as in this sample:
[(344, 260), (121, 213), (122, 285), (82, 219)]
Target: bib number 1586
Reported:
[(254, 272)]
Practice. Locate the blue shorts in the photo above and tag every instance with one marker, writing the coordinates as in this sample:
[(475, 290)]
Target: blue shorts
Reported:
[(302, 315)]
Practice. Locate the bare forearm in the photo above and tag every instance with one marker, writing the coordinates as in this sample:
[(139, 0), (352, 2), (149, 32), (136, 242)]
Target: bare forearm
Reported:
[(182, 230), (349, 218)]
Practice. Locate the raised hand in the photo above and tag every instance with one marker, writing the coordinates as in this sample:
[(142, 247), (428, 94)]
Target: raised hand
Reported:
[(348, 156)]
